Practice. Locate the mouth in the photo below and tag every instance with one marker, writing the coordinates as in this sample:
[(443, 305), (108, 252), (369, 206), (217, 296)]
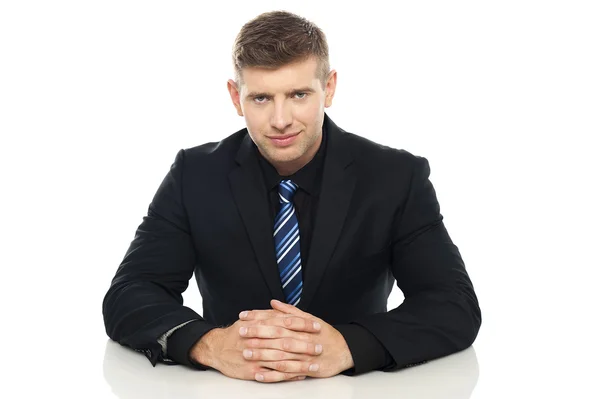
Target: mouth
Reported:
[(284, 140)]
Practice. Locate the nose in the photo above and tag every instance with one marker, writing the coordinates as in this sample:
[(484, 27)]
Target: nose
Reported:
[(282, 116)]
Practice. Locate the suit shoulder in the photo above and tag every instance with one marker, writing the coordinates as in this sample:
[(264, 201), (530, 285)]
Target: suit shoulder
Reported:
[(384, 155), (215, 152)]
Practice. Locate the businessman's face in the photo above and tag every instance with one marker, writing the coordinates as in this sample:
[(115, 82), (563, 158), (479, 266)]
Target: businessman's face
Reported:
[(284, 111)]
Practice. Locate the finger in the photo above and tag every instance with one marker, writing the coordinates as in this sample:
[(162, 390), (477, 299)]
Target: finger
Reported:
[(289, 322), (285, 344), (296, 323), (276, 318), (272, 355), (286, 308), (270, 332), (293, 367), (260, 314), (275, 376)]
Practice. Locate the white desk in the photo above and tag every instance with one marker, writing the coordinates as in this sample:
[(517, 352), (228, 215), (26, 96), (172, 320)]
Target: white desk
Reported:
[(130, 375)]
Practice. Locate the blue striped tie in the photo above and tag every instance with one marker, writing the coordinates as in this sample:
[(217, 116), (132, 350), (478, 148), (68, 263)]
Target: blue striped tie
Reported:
[(287, 243)]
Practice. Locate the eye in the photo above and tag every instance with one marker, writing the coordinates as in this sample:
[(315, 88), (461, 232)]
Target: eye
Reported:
[(300, 95), (260, 99)]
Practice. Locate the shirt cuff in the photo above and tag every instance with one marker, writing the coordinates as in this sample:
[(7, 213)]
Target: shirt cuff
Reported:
[(367, 351), (163, 339), (183, 339)]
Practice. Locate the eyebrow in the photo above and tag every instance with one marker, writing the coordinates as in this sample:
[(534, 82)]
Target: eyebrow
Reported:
[(288, 93)]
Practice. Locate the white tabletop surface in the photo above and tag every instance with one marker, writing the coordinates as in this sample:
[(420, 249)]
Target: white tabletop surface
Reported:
[(128, 376)]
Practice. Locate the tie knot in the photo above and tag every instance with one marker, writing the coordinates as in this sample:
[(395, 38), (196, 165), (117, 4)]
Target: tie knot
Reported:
[(287, 189)]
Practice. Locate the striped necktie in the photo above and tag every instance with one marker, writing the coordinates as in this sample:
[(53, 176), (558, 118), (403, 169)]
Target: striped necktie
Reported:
[(287, 243)]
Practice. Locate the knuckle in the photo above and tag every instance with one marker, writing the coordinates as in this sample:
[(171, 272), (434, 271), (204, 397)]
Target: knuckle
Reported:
[(308, 325), (286, 344), (281, 366), (278, 332)]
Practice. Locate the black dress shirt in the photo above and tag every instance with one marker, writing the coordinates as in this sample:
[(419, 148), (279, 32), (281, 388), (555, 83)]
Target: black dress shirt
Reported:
[(368, 353)]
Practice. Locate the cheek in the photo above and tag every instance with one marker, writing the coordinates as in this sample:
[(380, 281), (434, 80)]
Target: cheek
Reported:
[(308, 113), (255, 124)]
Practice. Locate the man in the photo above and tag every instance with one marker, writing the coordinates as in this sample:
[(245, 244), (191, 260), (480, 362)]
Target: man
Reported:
[(296, 231)]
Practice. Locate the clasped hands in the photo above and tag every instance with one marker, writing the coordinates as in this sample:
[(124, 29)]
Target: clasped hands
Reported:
[(279, 344)]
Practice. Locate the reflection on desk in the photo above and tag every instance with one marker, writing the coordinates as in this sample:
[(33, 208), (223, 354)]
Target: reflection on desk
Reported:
[(130, 375)]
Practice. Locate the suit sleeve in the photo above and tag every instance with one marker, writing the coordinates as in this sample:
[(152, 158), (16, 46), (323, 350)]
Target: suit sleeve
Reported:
[(367, 352), (144, 300), (440, 314)]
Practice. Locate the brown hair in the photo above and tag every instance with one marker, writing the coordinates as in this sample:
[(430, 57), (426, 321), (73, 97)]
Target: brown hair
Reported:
[(274, 39)]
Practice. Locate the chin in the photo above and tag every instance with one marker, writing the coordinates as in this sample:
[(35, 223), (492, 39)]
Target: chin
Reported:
[(284, 156)]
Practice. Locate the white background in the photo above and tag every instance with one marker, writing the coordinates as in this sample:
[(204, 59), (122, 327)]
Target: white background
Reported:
[(503, 99)]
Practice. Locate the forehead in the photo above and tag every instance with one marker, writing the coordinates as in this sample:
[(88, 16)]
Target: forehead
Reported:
[(297, 74)]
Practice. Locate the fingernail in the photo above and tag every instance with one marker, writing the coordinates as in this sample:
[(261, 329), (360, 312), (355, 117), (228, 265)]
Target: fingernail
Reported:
[(243, 314), (302, 377), (314, 367), (243, 330), (247, 353), (259, 377), (316, 325), (319, 349)]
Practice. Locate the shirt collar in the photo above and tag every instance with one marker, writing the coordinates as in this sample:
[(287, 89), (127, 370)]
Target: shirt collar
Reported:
[(307, 178)]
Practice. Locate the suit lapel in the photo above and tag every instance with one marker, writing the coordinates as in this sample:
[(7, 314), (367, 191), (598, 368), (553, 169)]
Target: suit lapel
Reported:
[(252, 202), (337, 187)]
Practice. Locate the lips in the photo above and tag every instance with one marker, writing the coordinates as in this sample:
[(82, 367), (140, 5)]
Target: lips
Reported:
[(284, 140), (283, 137)]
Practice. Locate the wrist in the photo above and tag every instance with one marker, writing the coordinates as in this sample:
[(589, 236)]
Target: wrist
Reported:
[(204, 351), (346, 359)]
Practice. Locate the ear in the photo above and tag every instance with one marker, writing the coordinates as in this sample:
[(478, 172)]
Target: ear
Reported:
[(234, 92), (330, 88)]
